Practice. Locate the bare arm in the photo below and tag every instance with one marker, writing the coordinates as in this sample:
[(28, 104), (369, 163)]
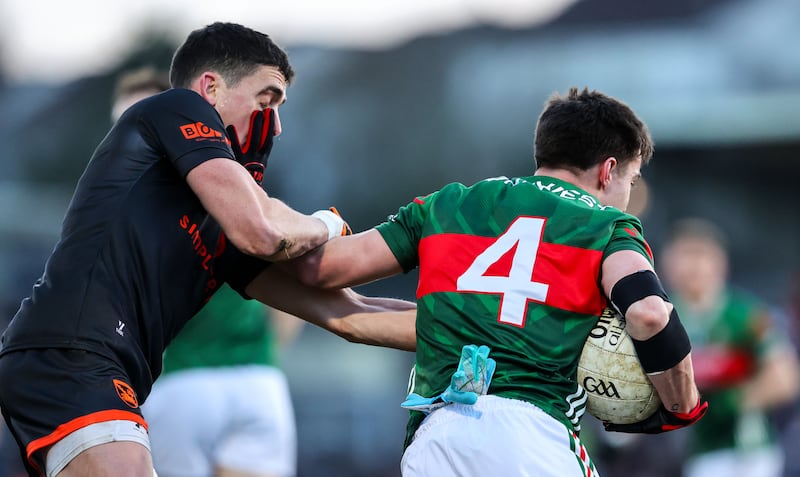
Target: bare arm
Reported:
[(348, 261), (645, 318), (254, 222), (375, 321)]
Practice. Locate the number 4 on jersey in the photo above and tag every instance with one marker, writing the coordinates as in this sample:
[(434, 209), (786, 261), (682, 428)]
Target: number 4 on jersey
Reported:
[(524, 235)]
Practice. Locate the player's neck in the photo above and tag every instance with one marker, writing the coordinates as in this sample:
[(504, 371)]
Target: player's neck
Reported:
[(586, 180)]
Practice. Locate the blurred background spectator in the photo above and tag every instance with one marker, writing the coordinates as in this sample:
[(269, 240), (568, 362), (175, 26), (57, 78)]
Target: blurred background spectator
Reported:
[(135, 85), (787, 418), (744, 365), (380, 114)]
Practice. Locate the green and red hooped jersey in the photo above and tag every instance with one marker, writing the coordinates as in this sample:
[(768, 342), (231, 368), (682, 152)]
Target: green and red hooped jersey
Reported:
[(513, 264)]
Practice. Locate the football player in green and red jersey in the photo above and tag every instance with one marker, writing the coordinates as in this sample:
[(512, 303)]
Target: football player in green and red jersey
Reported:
[(523, 267), (744, 365)]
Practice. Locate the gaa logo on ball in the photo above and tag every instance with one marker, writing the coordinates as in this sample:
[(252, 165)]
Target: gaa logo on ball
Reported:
[(599, 387), (618, 390)]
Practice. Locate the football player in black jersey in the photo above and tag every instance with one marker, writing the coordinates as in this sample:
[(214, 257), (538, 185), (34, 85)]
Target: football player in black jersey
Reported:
[(166, 211)]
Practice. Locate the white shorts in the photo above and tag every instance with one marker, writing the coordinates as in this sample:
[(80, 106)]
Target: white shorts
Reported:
[(66, 449), (764, 461), (496, 436), (238, 418)]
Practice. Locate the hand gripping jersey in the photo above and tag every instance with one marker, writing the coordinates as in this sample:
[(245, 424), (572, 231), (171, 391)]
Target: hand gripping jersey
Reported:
[(513, 264), (138, 254)]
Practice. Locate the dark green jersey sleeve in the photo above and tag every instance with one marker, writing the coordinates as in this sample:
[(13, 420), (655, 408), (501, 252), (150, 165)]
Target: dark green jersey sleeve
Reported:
[(627, 235), (403, 231)]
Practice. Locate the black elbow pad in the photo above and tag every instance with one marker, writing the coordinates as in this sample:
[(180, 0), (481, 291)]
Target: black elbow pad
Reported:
[(632, 288), (666, 348)]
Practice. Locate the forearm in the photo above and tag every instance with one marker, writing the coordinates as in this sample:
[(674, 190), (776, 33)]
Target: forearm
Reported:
[(255, 223), (293, 233), (676, 386), (347, 261), (381, 327), (380, 322), (394, 304), (657, 349), (389, 322)]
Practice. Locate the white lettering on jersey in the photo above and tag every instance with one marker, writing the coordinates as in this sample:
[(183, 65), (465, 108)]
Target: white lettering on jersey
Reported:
[(570, 194)]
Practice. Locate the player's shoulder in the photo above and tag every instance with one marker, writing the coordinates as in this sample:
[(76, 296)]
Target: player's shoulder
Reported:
[(175, 98), (490, 182), (165, 103), (454, 190)]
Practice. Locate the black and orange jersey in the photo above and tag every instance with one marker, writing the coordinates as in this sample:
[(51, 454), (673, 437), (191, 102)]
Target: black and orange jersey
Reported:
[(138, 254)]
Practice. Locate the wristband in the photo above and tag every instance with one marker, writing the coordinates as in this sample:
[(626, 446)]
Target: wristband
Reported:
[(335, 224)]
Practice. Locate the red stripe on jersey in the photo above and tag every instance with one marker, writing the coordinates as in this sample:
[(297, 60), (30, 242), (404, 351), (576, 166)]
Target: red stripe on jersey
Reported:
[(636, 234), (421, 199), (570, 272)]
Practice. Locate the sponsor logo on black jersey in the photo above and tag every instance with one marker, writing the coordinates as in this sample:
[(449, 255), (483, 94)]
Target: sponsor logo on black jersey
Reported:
[(200, 132)]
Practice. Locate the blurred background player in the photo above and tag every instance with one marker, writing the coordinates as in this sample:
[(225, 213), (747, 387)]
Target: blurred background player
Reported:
[(742, 365), (221, 407), (787, 418), (134, 85)]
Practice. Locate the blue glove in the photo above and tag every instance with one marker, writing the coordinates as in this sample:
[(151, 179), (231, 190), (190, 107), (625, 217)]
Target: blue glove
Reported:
[(471, 379)]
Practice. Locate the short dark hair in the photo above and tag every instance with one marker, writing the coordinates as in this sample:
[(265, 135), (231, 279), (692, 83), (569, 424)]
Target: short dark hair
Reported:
[(583, 128), (232, 50)]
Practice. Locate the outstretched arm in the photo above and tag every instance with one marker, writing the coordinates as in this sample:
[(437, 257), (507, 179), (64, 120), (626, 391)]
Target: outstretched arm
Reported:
[(384, 322), (347, 261)]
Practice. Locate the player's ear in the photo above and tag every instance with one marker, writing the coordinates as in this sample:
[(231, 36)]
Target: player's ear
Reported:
[(604, 172), (208, 85)]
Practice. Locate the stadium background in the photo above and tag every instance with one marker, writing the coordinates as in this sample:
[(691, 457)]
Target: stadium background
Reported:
[(368, 126)]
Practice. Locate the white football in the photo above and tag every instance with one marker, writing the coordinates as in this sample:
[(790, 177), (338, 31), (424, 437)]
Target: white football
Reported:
[(618, 390)]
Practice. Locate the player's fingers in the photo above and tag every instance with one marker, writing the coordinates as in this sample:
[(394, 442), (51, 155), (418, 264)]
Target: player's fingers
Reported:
[(233, 137), (267, 129), (255, 117)]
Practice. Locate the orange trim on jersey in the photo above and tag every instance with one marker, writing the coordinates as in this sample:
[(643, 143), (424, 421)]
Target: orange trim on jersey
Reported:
[(570, 272), (79, 423)]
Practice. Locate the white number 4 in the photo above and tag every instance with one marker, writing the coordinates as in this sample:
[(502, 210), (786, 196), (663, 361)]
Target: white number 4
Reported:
[(525, 233)]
